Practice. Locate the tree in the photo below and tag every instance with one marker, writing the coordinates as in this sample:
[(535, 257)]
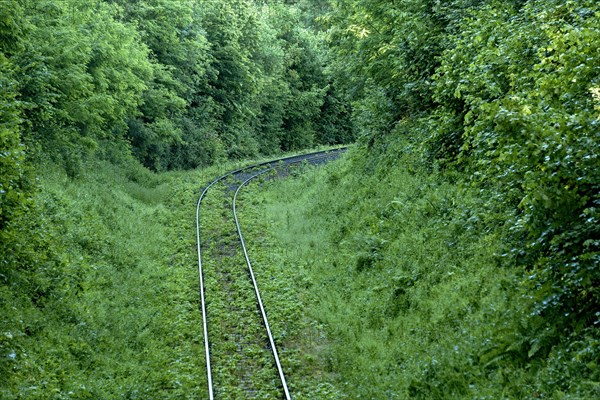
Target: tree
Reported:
[(82, 76), (14, 183), (530, 130)]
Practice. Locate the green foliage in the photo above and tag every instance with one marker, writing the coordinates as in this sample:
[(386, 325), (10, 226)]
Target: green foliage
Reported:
[(390, 47), (302, 340), (186, 82), (482, 117), (175, 114), (530, 128), (269, 84), (241, 363), (11, 158), (97, 299), (16, 184), (399, 271), (501, 97), (405, 272), (81, 74), (11, 27)]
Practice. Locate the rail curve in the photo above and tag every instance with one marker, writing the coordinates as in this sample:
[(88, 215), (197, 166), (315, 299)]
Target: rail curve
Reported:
[(244, 176)]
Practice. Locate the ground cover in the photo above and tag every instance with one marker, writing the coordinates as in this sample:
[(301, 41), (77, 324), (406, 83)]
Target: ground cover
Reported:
[(403, 271), (100, 299), (382, 278)]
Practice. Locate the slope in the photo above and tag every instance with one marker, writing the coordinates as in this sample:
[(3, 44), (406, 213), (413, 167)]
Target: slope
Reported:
[(404, 269)]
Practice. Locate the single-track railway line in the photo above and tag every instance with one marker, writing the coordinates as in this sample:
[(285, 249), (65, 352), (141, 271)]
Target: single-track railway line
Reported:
[(242, 360)]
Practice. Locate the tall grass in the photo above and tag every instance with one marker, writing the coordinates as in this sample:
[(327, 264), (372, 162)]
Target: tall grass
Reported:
[(99, 297), (382, 279), (403, 270), (102, 301)]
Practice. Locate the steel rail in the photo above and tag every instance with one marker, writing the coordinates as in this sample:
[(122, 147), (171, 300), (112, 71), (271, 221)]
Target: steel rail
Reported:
[(286, 162)]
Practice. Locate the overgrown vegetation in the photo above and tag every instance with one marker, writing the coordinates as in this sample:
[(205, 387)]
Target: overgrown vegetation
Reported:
[(241, 360), (187, 83), (241, 365), (455, 254), (500, 99), (405, 273), (97, 297), (96, 291), (506, 94)]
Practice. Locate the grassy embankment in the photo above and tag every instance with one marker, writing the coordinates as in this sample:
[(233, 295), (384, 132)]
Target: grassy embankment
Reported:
[(99, 297), (100, 301), (400, 270)]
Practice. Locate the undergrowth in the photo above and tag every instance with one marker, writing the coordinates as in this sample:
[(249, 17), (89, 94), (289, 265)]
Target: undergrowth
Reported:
[(99, 299), (382, 278), (242, 364), (301, 339), (99, 286), (404, 270)]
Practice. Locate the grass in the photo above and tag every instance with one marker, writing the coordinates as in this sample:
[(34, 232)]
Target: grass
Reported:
[(401, 272), (100, 297), (242, 365), (106, 304), (381, 279), (300, 338)]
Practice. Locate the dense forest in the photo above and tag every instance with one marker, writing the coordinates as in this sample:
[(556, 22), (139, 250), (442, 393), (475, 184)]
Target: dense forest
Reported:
[(476, 172)]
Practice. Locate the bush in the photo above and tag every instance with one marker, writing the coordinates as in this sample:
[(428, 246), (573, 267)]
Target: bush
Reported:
[(527, 82)]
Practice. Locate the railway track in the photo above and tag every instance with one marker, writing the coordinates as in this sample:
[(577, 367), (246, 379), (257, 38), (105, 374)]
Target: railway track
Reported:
[(242, 360)]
